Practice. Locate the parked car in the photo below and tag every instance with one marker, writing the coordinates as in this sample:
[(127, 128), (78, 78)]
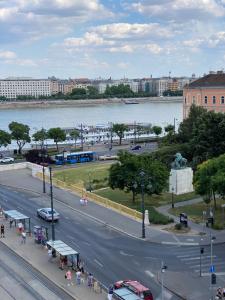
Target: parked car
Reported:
[(6, 160), (135, 287), (46, 214), (136, 147)]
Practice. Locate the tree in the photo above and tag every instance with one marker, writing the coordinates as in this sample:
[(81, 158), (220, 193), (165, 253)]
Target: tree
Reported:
[(5, 138), (40, 136), (78, 91), (169, 128), (125, 174), (157, 130), (75, 134), (92, 91), (20, 133), (57, 134), (119, 129)]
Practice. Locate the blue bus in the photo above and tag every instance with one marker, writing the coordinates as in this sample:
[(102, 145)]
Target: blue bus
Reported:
[(75, 157)]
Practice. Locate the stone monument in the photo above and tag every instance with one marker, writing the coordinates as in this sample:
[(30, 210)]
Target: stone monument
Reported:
[(181, 176)]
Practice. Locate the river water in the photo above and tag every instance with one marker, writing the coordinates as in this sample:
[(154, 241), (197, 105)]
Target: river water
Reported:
[(160, 114)]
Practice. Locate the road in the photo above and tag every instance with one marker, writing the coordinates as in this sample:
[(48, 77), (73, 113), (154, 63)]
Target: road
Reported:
[(18, 280), (111, 255)]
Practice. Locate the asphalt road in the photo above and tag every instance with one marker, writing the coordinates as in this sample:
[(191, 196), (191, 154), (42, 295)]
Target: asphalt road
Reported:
[(110, 255), (18, 280)]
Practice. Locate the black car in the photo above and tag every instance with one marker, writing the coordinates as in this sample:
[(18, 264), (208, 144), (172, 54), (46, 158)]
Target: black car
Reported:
[(136, 147)]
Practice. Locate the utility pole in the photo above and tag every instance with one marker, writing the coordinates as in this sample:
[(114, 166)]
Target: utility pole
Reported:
[(81, 136), (142, 174), (52, 208), (111, 140)]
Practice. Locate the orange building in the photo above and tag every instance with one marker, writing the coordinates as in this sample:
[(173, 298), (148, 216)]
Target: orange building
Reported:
[(207, 92)]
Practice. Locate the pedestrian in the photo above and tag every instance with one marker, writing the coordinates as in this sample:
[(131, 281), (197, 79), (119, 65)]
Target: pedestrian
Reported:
[(20, 227), (2, 231), (10, 222), (110, 292), (219, 293), (68, 276), (24, 236), (78, 277), (50, 254), (90, 280)]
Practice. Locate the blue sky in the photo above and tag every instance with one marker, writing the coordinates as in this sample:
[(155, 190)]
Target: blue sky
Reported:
[(111, 38)]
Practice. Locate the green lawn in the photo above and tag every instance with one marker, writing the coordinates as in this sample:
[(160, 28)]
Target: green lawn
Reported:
[(195, 213)]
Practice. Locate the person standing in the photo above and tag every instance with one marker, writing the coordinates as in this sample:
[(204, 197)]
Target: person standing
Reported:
[(24, 236), (50, 254), (2, 230), (68, 276), (110, 292), (90, 280), (78, 277)]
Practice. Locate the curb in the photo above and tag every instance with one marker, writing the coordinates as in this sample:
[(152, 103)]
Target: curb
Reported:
[(111, 226)]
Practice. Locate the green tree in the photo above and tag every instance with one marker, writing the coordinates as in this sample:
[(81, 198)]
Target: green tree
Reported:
[(20, 133), (125, 174), (57, 134), (75, 134), (5, 138), (92, 91), (119, 129), (40, 136), (157, 130), (169, 128), (78, 91)]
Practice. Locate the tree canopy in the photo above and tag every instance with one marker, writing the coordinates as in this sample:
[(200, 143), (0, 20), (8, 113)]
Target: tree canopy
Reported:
[(20, 133), (119, 129), (40, 136), (5, 138), (57, 134)]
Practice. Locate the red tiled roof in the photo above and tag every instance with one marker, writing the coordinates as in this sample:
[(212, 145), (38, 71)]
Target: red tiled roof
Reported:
[(210, 80)]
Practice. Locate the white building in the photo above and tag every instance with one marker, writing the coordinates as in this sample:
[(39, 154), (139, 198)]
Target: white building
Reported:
[(11, 88), (101, 86)]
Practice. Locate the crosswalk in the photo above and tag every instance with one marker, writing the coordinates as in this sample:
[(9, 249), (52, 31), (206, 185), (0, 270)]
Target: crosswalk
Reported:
[(191, 257)]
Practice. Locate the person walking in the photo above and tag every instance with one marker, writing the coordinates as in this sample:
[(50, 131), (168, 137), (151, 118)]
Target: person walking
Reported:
[(68, 276), (110, 292), (2, 230), (24, 236), (90, 280), (50, 254), (78, 277)]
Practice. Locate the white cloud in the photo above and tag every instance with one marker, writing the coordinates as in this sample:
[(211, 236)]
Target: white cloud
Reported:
[(124, 48), (7, 55), (179, 9), (154, 48)]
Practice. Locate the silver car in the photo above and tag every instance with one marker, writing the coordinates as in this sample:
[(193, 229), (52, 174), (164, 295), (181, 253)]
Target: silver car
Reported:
[(46, 214), (6, 160)]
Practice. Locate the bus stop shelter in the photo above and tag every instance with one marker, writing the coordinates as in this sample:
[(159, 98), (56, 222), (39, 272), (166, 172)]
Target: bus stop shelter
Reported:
[(17, 217), (64, 250)]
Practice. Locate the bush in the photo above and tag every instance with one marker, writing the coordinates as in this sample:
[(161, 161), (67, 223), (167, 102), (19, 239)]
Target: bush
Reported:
[(156, 218), (217, 226), (178, 226)]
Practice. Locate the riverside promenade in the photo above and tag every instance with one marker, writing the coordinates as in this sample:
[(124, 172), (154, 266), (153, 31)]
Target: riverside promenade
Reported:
[(183, 284)]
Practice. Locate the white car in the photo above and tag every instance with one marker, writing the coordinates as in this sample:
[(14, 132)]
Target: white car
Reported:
[(6, 160), (46, 214), (108, 157)]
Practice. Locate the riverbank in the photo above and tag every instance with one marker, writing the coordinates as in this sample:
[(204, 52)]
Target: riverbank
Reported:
[(86, 102)]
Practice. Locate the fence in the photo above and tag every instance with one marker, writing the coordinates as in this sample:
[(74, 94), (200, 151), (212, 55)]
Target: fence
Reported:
[(95, 198)]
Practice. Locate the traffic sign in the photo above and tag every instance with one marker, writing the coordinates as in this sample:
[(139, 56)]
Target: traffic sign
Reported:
[(212, 269)]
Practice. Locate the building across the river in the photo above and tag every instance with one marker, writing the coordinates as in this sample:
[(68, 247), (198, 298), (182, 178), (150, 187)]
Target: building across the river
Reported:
[(207, 92)]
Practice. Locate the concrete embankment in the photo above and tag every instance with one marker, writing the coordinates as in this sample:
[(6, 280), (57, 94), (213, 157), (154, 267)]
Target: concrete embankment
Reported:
[(86, 102)]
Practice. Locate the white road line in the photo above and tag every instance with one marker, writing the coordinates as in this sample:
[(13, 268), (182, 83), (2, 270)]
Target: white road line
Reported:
[(217, 273), (196, 258), (75, 244), (98, 263), (149, 273), (125, 254), (180, 243), (206, 265)]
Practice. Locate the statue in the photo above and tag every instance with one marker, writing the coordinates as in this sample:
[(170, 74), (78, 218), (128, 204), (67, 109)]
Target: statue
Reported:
[(179, 162)]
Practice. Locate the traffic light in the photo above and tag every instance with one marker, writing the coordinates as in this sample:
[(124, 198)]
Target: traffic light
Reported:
[(213, 278), (202, 250)]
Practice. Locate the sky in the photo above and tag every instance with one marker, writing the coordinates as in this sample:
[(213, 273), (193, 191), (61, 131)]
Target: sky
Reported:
[(111, 38)]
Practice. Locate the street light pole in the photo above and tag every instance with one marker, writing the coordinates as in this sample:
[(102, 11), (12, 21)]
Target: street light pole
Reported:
[(172, 198), (43, 177), (142, 174), (212, 238), (51, 195)]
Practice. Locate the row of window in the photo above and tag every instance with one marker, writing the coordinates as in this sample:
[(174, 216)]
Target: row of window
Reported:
[(214, 99)]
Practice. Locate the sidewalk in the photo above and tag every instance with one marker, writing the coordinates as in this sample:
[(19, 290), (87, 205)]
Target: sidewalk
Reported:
[(37, 256)]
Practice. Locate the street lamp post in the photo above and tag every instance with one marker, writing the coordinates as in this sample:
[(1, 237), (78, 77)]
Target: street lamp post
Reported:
[(172, 197), (163, 269), (212, 238), (43, 169), (51, 195), (142, 174)]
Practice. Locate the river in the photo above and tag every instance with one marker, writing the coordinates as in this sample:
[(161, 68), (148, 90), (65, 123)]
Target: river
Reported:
[(160, 114)]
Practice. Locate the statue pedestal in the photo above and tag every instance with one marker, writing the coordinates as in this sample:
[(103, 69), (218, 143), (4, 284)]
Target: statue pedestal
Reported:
[(181, 181), (146, 221)]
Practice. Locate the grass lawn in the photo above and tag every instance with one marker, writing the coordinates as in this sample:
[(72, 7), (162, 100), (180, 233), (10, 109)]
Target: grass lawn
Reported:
[(195, 213), (82, 173)]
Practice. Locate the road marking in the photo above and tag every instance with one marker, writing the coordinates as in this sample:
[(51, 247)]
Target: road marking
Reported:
[(190, 240), (206, 265), (98, 263), (136, 263), (75, 244), (196, 258), (149, 273), (180, 243), (217, 273), (125, 254)]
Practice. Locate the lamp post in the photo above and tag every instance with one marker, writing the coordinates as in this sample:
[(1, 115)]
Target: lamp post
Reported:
[(163, 269), (212, 238), (51, 195), (172, 204), (142, 174), (43, 169)]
